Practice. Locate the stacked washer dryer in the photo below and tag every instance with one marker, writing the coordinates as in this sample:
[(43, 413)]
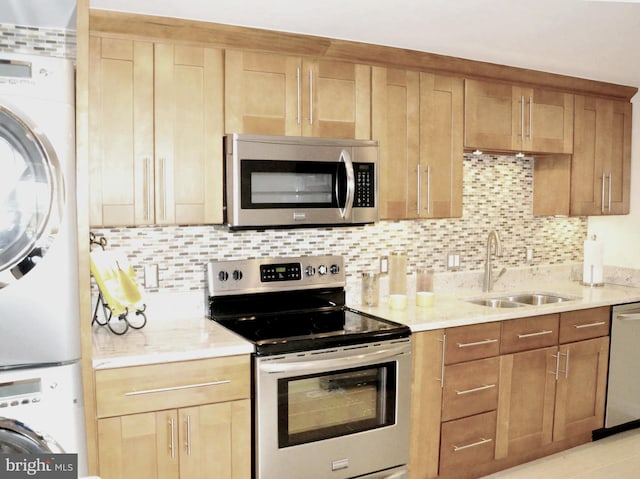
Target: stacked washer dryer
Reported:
[(41, 407)]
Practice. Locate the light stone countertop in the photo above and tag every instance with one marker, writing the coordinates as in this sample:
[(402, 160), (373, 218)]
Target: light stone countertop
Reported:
[(178, 331), (451, 309), (166, 341)]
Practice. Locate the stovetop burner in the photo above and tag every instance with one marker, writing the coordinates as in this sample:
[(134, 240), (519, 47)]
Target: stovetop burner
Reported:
[(296, 313)]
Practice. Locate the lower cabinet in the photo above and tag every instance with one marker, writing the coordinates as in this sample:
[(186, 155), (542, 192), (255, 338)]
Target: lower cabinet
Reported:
[(476, 412), (187, 420), (198, 442)]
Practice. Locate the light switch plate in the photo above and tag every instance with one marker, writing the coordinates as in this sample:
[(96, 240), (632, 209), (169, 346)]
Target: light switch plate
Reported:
[(150, 276)]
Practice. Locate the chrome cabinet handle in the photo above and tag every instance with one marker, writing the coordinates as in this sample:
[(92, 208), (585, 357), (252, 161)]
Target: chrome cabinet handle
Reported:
[(299, 104), (589, 325), (610, 192), (557, 371), (310, 97), (172, 439), (477, 343), (444, 348), (146, 189), (428, 207), (473, 444), (475, 390), (163, 182), (531, 335), (530, 117), (188, 442), (566, 365), (177, 388), (522, 117), (418, 202), (602, 204)]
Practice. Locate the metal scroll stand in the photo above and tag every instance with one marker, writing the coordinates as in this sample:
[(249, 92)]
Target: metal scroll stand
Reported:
[(122, 322)]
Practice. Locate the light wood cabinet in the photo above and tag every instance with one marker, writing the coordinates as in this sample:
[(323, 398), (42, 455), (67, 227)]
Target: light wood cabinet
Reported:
[(156, 126), (555, 393), (417, 118), (505, 117), (426, 404), (277, 94), (187, 420), (601, 165)]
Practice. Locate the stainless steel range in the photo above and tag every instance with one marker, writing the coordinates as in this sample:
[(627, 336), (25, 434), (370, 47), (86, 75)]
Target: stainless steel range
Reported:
[(331, 384)]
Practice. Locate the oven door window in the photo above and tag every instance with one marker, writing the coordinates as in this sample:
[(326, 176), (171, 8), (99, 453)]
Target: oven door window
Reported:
[(332, 404), (292, 184)]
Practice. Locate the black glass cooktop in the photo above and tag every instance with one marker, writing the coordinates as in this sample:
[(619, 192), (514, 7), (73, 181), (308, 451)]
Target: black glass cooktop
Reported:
[(289, 322)]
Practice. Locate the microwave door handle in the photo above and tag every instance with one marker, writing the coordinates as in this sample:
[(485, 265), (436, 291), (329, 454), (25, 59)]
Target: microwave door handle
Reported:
[(345, 158)]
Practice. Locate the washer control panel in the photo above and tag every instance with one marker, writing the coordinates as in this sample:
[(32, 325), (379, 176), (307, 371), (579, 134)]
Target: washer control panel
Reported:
[(20, 393), (274, 274)]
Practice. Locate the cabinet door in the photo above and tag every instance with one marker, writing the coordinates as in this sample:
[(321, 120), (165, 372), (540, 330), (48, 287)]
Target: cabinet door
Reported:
[(426, 403), (188, 134), (492, 115), (526, 401), (600, 170), (336, 99), (395, 124), (262, 93), (581, 388), (121, 132), (441, 146), (215, 441), (144, 446), (548, 120)]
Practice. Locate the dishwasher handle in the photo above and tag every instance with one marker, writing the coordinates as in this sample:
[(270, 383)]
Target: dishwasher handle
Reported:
[(631, 316)]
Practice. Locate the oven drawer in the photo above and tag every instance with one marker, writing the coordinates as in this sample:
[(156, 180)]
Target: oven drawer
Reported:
[(477, 341), (467, 443), (470, 388), (529, 333), (164, 386), (584, 324)]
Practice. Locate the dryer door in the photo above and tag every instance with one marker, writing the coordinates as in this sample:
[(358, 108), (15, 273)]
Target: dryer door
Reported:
[(18, 438), (31, 195)]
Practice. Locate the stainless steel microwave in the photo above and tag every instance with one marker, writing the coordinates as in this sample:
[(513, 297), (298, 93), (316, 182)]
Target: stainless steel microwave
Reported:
[(286, 181)]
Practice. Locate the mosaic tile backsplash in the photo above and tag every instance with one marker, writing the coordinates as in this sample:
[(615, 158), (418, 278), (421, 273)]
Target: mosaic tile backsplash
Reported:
[(497, 194), (52, 42)]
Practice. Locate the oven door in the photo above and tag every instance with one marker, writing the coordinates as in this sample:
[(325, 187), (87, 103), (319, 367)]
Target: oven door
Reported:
[(335, 413)]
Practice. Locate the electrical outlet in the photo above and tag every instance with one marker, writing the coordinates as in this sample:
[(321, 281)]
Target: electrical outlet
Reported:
[(384, 264), (529, 254), (453, 261), (150, 276)]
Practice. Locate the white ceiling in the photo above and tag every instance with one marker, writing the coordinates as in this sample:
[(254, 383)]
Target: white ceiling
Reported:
[(598, 40)]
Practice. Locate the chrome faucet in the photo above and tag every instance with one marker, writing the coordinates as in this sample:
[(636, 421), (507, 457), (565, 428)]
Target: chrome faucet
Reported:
[(492, 239)]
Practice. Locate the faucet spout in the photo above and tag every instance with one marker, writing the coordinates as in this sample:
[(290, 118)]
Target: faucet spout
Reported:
[(493, 240)]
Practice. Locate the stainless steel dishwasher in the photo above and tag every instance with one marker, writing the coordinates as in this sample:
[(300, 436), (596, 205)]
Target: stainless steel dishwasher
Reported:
[(623, 389)]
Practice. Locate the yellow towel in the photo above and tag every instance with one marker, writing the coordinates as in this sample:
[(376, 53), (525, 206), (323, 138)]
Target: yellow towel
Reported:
[(117, 281)]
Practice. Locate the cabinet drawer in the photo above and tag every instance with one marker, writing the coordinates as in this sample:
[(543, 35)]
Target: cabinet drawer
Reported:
[(467, 443), (164, 386), (470, 388), (529, 333), (584, 324), (476, 341)]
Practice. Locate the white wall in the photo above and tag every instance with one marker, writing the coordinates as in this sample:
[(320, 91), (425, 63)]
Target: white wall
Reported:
[(621, 234)]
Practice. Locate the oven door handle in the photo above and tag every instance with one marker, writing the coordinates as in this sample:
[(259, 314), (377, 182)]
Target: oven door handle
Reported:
[(358, 360)]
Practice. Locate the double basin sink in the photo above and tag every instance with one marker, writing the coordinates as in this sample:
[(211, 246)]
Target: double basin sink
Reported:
[(520, 299)]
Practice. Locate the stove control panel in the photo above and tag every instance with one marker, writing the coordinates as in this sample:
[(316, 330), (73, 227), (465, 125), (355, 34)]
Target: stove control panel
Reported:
[(274, 274)]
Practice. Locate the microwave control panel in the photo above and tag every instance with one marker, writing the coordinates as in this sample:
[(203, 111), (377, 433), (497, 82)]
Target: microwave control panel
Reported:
[(365, 185)]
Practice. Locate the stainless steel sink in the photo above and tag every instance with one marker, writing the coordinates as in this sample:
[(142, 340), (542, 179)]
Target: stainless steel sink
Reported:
[(495, 303), (537, 299), (520, 299)]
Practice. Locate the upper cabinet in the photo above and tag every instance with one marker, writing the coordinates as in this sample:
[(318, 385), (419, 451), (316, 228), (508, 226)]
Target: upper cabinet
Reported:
[(156, 127), (285, 95), (601, 164), (505, 117), (418, 118)]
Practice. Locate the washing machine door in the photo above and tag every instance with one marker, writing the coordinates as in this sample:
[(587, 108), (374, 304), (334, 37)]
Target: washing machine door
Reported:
[(18, 438), (31, 195)]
